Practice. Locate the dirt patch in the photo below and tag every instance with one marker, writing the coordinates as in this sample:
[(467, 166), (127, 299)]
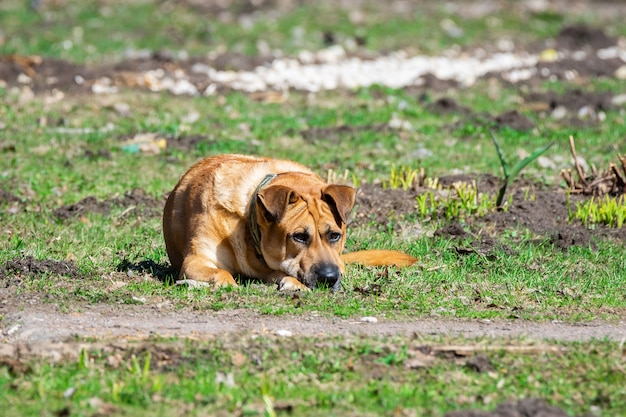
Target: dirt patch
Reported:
[(377, 206), (7, 197), (15, 270), (542, 211), (572, 100), (480, 363), (447, 105), (527, 407), (44, 74), (579, 36), (187, 142), (10, 202), (581, 39), (513, 120), (163, 272), (148, 143), (136, 201), (575, 107), (44, 323)]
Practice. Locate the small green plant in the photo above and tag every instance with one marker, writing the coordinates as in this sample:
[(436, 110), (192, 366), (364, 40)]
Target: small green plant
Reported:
[(332, 177), (404, 177), (83, 359), (610, 211), (509, 175), (460, 201), (425, 204), (267, 399)]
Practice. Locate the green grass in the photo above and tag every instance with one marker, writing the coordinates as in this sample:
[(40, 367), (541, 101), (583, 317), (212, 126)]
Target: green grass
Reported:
[(79, 128), (263, 375), (57, 153), (93, 31), (536, 283)]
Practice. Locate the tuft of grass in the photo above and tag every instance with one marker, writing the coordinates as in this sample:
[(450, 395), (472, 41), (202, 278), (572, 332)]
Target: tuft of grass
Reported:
[(608, 210), (404, 177), (459, 202)]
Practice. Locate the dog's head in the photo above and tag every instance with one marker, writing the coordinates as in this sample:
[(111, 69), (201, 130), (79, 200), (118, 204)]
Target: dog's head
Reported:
[(303, 229)]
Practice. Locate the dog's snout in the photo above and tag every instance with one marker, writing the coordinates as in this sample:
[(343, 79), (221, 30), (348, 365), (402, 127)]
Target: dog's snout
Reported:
[(328, 274)]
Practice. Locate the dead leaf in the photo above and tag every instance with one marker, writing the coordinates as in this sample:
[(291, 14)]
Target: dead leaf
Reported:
[(419, 360), (239, 359)]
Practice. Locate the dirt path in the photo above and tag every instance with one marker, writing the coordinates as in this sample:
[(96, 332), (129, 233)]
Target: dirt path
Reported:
[(44, 324)]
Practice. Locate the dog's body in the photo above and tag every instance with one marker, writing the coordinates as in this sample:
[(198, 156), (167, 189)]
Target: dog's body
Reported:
[(268, 219)]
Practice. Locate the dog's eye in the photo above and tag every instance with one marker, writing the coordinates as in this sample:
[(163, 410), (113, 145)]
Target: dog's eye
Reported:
[(301, 237), (334, 237)]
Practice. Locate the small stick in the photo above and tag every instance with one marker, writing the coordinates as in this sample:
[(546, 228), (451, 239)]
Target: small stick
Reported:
[(581, 174), (567, 176), (619, 180), (622, 159)]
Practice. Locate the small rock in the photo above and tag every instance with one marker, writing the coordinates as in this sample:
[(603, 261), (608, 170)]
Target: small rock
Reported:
[(619, 100), (586, 111), (283, 333), (95, 402), (103, 85), (369, 319), (400, 124), (228, 380), (24, 79), (608, 53), (451, 28), (548, 55), (421, 153), (620, 73), (192, 283), (559, 113), (68, 393), (545, 162), (12, 329), (123, 109), (191, 118)]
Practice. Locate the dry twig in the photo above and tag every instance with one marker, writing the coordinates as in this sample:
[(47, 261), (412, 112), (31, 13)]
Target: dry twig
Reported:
[(609, 182)]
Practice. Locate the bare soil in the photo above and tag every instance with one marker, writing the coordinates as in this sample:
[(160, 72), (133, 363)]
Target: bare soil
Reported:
[(36, 322)]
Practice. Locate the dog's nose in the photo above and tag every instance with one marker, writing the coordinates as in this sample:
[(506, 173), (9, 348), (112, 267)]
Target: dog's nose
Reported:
[(328, 274)]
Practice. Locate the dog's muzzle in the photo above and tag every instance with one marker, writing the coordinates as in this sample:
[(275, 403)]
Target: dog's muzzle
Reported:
[(327, 275)]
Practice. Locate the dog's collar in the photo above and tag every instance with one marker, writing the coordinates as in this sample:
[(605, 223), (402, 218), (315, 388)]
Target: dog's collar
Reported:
[(253, 225)]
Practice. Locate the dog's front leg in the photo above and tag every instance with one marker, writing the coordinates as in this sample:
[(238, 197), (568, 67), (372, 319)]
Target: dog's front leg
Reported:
[(287, 283), (199, 271)]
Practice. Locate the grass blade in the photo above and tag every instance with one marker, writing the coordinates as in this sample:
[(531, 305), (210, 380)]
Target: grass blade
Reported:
[(522, 164), (503, 163)]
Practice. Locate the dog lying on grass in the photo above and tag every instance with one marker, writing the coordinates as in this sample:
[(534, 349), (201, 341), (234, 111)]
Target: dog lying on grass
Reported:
[(267, 219)]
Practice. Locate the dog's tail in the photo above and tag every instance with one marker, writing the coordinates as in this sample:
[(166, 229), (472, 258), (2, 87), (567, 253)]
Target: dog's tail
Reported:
[(379, 258)]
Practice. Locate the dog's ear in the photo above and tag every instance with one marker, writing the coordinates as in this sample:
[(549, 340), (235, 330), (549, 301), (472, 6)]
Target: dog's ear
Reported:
[(341, 199), (274, 201)]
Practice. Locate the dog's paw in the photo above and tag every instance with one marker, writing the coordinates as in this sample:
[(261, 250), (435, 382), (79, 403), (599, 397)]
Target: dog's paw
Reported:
[(191, 283), (291, 284)]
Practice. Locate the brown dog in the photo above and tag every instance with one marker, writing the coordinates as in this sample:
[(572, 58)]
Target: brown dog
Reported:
[(268, 219)]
